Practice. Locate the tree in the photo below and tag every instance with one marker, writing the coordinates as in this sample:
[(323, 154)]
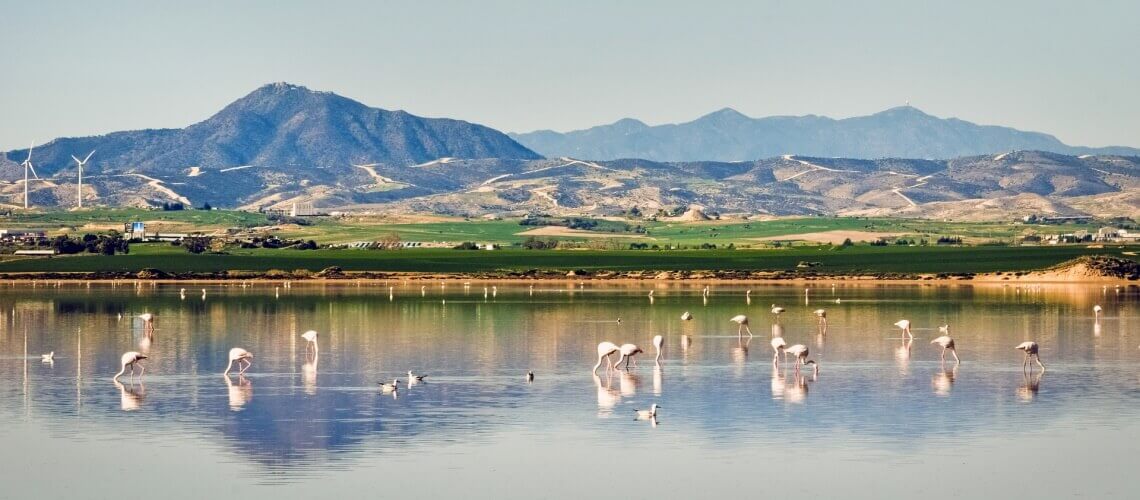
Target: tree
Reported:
[(196, 244), (390, 240)]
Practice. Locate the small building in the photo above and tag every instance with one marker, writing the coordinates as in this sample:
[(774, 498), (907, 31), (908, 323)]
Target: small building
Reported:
[(22, 235), (38, 253)]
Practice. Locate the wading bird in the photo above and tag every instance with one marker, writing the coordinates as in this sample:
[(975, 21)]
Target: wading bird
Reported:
[(182, 294), (658, 342), (130, 358), (777, 310), (778, 346), (800, 352), (1030, 348), (904, 325), (741, 320), (605, 349), (240, 356), (820, 316), (647, 414), (628, 351), (148, 321), (1096, 312), (947, 343), (311, 337)]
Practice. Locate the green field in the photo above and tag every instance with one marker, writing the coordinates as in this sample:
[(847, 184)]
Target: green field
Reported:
[(832, 260)]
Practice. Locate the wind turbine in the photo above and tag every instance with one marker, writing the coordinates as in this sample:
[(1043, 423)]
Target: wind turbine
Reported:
[(79, 196), (28, 166)]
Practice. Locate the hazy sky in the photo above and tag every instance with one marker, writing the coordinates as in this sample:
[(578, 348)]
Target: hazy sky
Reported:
[(1066, 68)]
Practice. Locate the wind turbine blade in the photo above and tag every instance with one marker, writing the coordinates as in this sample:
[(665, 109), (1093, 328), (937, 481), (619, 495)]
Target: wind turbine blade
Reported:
[(30, 148), (89, 156), (33, 169), (76, 159)]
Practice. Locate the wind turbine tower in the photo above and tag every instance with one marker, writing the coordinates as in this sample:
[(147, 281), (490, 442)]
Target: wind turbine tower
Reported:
[(28, 167), (79, 194)]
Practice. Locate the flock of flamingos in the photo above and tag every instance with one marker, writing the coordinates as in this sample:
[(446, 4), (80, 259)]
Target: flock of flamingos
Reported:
[(243, 358)]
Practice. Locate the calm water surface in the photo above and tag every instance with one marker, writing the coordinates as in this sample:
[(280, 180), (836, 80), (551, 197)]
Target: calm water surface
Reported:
[(878, 421)]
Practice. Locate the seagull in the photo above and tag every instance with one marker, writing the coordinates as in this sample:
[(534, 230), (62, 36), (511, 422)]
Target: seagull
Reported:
[(48, 358), (240, 356), (415, 378), (947, 343), (658, 341), (1030, 348), (904, 324), (837, 300), (741, 320), (647, 414), (529, 376), (390, 387), (628, 351), (130, 358), (686, 316)]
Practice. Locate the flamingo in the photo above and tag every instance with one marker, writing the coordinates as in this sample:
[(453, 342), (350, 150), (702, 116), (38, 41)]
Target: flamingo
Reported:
[(203, 294), (48, 358), (604, 351), (130, 358), (415, 378), (947, 343), (647, 414), (800, 352), (1096, 312), (777, 311), (821, 316), (658, 342), (628, 351), (904, 324), (686, 316), (182, 294), (494, 291), (311, 337), (1030, 348), (741, 320), (240, 356), (148, 321), (778, 346)]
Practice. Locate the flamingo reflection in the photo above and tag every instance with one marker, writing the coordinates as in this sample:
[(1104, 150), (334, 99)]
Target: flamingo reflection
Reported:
[(239, 393), (309, 373), (943, 380), (130, 397), (608, 398), (657, 380), (628, 383), (1031, 383)]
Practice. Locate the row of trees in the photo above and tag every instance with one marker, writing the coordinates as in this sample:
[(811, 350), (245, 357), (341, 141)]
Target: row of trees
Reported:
[(104, 244)]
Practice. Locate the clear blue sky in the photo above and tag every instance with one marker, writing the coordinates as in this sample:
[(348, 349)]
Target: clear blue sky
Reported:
[(1066, 68)]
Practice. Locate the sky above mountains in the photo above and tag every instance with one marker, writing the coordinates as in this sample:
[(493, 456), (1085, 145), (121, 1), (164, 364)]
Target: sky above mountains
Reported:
[(80, 68)]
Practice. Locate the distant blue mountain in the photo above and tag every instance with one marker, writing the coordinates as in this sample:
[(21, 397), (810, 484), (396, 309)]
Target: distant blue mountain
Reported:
[(727, 135)]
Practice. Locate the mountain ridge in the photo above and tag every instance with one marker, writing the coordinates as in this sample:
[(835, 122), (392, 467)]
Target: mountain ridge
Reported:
[(728, 135)]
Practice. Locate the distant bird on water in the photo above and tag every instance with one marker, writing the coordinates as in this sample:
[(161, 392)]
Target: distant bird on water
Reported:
[(820, 316), (182, 294), (778, 346), (741, 320), (415, 378), (658, 342), (947, 343), (311, 337), (148, 321), (1030, 348), (800, 352), (686, 316), (239, 356), (1096, 312), (904, 325), (390, 387), (529, 376), (777, 310), (130, 358), (48, 358), (647, 414), (628, 351)]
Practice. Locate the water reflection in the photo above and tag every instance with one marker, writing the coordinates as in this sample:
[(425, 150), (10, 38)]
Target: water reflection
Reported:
[(130, 395), (239, 393), (943, 380), (1030, 384), (608, 398)]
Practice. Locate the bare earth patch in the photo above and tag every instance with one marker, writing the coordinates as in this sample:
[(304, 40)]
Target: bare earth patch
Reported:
[(565, 231), (832, 237)]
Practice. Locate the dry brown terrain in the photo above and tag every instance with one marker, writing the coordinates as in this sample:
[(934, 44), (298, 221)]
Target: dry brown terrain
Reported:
[(831, 237), (564, 231)]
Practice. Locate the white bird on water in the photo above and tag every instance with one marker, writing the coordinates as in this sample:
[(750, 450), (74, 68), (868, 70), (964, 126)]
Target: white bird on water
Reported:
[(778, 346), (947, 343), (203, 294), (148, 321), (820, 316), (529, 376), (240, 356), (800, 352), (390, 387), (48, 358), (605, 349), (1096, 312), (904, 325), (944, 329), (1030, 348), (741, 320), (182, 294), (686, 316), (628, 351), (647, 414), (415, 378), (777, 310), (311, 337), (130, 358), (658, 342)]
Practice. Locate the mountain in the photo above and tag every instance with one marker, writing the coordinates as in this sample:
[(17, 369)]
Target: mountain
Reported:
[(291, 136), (727, 135)]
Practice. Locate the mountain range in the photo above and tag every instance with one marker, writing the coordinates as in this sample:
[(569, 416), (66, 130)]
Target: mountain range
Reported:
[(727, 135), (284, 144)]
